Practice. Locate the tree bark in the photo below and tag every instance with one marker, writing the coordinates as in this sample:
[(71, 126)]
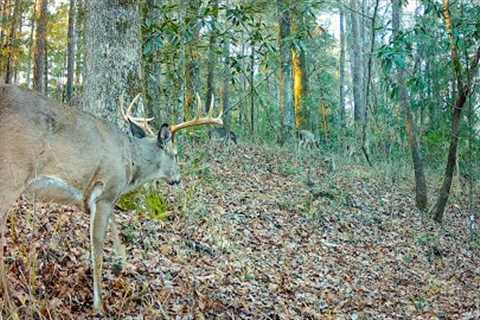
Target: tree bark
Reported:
[(227, 77), (252, 89), (192, 58), (41, 19), (298, 63), (30, 44), (71, 49), (420, 183), (286, 79), (113, 57), (356, 65), (212, 56), (12, 41), (342, 64), (153, 72), (464, 90)]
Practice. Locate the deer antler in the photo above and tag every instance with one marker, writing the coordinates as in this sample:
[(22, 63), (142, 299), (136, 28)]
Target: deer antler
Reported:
[(141, 122), (199, 121)]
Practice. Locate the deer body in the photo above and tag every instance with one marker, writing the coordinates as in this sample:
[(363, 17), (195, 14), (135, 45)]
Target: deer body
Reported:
[(68, 156), (307, 139)]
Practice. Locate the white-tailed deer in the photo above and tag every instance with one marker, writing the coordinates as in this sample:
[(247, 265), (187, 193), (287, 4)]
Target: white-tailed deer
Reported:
[(223, 135), (68, 156), (306, 139)]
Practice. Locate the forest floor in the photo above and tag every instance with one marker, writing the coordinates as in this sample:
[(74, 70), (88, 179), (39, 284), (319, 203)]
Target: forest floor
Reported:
[(255, 233)]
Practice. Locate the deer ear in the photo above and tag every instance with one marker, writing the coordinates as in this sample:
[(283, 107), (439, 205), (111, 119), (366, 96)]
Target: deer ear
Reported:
[(164, 135), (137, 131)]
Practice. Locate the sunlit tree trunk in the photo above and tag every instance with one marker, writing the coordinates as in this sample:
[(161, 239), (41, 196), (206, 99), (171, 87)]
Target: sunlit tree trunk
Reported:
[(71, 49), (113, 57), (41, 20), (298, 63), (286, 75), (420, 184)]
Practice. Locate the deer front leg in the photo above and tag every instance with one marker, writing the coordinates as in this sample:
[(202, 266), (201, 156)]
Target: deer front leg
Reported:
[(99, 216)]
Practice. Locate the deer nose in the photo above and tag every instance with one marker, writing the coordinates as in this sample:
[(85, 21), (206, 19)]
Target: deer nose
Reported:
[(174, 182)]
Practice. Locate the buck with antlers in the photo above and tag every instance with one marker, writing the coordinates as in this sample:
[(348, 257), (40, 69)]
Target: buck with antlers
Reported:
[(68, 156)]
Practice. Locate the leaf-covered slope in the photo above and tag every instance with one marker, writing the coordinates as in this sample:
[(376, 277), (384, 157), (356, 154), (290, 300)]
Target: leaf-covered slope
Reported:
[(257, 234)]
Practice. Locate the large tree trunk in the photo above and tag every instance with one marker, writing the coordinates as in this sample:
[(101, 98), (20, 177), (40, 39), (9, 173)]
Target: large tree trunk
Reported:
[(286, 79), (71, 49), (420, 184), (356, 65), (464, 90), (41, 19), (342, 64), (113, 57)]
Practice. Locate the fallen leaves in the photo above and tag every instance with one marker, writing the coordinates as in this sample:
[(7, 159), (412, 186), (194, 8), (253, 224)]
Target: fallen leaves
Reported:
[(247, 238)]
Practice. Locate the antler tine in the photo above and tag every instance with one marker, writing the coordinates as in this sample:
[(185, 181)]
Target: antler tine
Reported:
[(141, 122), (199, 121), (199, 105)]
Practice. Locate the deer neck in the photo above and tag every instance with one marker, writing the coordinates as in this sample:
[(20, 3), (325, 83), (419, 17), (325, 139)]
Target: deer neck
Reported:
[(138, 164)]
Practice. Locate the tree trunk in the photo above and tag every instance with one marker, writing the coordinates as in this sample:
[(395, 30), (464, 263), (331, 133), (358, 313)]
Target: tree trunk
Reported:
[(464, 90), (252, 89), (192, 58), (286, 78), (227, 77), (45, 70), (71, 49), (80, 44), (153, 73), (113, 57), (420, 184), (30, 44), (212, 57), (356, 65), (298, 63), (12, 41), (342, 64), (41, 19)]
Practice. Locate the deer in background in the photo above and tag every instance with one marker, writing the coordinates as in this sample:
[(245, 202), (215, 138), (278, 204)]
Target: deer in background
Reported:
[(68, 156), (222, 134), (306, 139)]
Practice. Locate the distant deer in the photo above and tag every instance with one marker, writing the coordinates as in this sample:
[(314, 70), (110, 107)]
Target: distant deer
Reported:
[(306, 139), (222, 134), (68, 156)]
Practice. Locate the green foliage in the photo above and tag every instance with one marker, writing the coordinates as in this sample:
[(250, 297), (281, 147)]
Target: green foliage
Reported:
[(147, 201), (156, 206)]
